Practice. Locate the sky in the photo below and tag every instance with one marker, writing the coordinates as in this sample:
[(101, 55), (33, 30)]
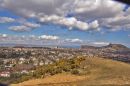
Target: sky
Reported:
[(64, 22)]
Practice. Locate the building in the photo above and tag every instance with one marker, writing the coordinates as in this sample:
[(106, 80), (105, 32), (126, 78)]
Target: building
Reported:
[(5, 74)]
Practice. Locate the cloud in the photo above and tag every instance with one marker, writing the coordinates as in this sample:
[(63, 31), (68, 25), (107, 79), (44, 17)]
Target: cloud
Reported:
[(97, 8), (71, 22), (6, 20), (26, 23), (94, 25), (31, 25), (21, 28), (3, 35), (26, 26), (87, 14), (47, 40), (39, 40), (31, 8), (110, 14), (117, 22), (74, 40), (100, 43), (48, 37), (29, 39)]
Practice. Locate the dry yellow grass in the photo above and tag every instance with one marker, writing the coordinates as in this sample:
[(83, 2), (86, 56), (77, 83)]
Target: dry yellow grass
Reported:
[(59, 78), (102, 72)]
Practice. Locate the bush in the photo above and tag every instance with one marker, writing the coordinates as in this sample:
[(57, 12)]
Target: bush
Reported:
[(75, 72), (64, 65)]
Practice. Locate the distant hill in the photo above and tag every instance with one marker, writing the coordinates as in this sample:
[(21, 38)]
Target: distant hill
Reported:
[(110, 46), (116, 46)]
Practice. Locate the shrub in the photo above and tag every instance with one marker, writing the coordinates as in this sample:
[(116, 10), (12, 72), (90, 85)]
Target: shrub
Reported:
[(75, 72)]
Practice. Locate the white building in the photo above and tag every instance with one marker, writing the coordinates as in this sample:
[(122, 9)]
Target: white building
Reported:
[(5, 74)]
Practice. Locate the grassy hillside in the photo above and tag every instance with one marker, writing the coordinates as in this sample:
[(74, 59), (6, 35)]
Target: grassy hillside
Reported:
[(92, 72)]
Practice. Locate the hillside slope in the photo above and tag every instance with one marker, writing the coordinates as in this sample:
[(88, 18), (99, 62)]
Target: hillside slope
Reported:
[(110, 46), (95, 72)]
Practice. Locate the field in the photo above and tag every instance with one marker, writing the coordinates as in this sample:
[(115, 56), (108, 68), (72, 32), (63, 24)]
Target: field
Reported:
[(95, 72)]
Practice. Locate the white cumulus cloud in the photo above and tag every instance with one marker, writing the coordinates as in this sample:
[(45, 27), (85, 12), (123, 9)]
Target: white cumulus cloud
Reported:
[(100, 43), (71, 22), (6, 20), (74, 40), (101, 13), (21, 28), (48, 37), (3, 35), (26, 26)]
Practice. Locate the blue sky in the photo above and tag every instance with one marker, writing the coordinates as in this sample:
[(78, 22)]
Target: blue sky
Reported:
[(96, 29)]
